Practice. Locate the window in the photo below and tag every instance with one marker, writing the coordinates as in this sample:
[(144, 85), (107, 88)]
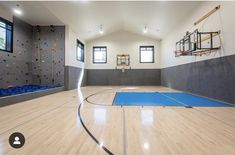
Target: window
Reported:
[(6, 35), (80, 51), (146, 54), (100, 54)]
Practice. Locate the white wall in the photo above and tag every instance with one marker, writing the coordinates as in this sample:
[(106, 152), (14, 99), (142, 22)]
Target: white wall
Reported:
[(6, 14), (122, 42), (222, 20), (70, 48)]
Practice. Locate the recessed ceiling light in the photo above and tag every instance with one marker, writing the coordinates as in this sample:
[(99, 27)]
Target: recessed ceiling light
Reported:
[(101, 29), (145, 29), (17, 10)]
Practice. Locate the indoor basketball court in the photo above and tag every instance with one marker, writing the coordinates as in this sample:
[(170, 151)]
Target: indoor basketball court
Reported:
[(117, 78)]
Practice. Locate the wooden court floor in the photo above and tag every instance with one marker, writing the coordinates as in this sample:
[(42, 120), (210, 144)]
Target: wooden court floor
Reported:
[(51, 126)]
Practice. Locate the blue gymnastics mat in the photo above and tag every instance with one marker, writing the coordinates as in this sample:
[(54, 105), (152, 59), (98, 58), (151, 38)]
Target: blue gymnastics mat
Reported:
[(163, 99)]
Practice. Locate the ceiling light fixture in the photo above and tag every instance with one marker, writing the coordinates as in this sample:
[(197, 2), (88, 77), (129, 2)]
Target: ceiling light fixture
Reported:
[(101, 29), (145, 29), (17, 10)]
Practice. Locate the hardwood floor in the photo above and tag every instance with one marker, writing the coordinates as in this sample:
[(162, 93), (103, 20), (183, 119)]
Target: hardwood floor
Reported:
[(51, 126)]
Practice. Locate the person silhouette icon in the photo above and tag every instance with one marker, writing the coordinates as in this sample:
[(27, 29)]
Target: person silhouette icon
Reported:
[(17, 142)]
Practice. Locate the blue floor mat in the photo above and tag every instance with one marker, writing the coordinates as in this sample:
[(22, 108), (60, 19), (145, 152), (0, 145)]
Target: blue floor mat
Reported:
[(143, 99), (193, 100), (164, 99), (24, 89)]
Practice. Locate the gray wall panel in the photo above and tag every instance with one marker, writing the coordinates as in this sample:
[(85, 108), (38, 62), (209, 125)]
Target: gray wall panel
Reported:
[(129, 77), (72, 75), (214, 78)]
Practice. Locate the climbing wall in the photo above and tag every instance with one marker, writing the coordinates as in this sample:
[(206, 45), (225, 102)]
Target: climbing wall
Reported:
[(47, 65), (37, 57), (15, 66)]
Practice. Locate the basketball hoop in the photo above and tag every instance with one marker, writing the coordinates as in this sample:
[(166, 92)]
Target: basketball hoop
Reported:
[(123, 62)]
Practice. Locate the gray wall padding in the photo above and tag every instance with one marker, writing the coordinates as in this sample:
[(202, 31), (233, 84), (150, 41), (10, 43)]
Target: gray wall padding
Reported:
[(72, 75), (129, 77), (214, 78)]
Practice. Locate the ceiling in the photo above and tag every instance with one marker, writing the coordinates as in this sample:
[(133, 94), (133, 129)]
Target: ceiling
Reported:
[(34, 13), (85, 17)]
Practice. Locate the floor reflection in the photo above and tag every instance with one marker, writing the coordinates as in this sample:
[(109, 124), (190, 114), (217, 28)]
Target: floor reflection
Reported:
[(129, 88), (1, 148), (147, 117), (146, 146), (100, 116), (78, 122), (80, 96)]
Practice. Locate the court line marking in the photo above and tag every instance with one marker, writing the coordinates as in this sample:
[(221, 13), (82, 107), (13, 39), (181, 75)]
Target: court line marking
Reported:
[(58, 107), (210, 99), (202, 111), (87, 130), (87, 98), (173, 99), (124, 135)]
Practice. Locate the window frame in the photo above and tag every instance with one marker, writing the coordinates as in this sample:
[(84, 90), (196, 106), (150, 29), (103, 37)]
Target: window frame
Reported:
[(148, 46), (106, 51), (83, 50), (12, 30)]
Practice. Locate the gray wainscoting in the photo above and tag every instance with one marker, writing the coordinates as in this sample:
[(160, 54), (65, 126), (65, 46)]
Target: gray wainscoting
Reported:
[(72, 75), (129, 77), (214, 78)]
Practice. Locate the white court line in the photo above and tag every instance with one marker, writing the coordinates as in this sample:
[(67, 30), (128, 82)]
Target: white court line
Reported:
[(202, 111)]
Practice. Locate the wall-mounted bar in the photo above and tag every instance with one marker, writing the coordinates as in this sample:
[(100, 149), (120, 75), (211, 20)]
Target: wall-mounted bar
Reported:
[(207, 15)]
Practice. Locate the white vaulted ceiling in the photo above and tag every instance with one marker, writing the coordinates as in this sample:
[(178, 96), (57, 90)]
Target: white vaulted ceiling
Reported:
[(85, 17)]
